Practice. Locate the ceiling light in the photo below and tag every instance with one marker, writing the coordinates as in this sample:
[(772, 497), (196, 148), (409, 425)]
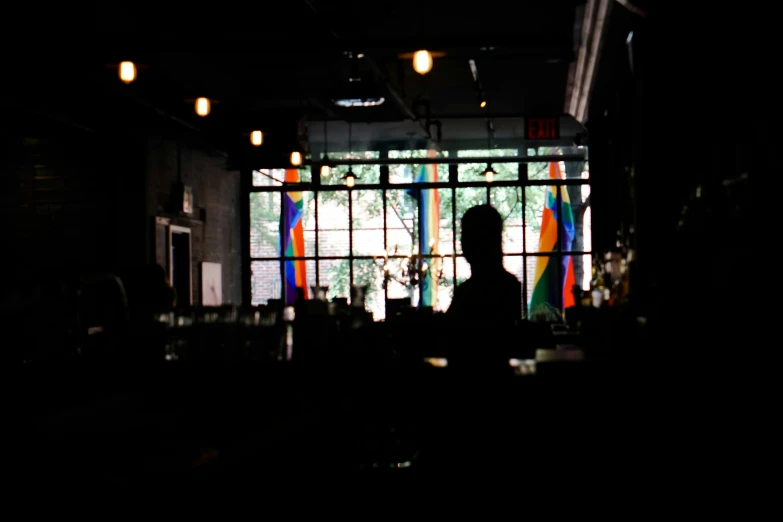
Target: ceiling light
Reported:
[(296, 158), (422, 62), (483, 103), (203, 106), (360, 102), (127, 72), (256, 137)]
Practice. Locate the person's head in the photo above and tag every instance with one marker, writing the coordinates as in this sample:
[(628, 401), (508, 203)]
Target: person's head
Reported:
[(482, 234), (156, 273)]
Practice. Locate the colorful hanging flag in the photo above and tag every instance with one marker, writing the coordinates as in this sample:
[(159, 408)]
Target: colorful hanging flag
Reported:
[(292, 234), (429, 237), (549, 291)]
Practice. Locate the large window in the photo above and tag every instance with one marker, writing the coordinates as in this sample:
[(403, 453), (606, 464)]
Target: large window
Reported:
[(370, 234)]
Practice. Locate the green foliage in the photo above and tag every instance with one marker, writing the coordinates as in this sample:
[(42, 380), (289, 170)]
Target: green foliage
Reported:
[(264, 211), (365, 272)]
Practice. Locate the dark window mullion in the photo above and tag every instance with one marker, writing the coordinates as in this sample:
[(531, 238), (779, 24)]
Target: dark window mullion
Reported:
[(523, 182), (317, 260), (453, 177), (350, 240)]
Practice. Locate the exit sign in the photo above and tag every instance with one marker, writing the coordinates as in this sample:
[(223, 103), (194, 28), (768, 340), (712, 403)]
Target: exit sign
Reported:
[(542, 129)]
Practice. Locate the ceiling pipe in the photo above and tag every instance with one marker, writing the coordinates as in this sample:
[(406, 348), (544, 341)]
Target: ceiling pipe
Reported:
[(457, 160)]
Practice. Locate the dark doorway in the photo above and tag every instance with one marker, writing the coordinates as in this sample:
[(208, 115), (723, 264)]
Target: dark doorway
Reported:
[(180, 264)]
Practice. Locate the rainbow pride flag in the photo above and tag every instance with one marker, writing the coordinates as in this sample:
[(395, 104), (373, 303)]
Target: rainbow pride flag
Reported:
[(429, 238), (292, 244), (548, 290)]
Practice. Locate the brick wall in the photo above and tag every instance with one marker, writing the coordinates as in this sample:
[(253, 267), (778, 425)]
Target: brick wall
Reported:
[(215, 225)]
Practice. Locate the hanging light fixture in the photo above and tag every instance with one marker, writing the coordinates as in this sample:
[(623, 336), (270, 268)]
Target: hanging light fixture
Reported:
[(350, 177), (483, 104), (256, 138), (296, 158), (326, 165), (127, 72), (489, 173), (203, 106), (422, 61)]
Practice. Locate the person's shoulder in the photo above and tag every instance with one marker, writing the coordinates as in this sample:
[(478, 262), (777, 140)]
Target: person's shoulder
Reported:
[(511, 278)]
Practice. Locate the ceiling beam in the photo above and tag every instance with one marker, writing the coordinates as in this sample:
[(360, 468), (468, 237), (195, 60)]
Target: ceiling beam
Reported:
[(582, 73), (397, 98)]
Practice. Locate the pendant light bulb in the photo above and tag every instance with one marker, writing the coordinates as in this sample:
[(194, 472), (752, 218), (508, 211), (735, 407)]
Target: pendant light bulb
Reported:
[(489, 174), (296, 158), (127, 72), (203, 106), (257, 138), (325, 170), (422, 62), (350, 179)]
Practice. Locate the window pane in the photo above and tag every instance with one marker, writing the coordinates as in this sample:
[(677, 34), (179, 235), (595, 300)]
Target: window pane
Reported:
[(463, 270), (264, 281), (409, 173), (268, 177), (398, 287), (370, 273), (537, 170), (446, 243), (508, 202), (365, 174), (333, 224), (311, 280), (400, 222), (367, 222), (571, 169), (468, 197), (474, 171), (445, 283), (264, 224), (305, 174), (335, 273)]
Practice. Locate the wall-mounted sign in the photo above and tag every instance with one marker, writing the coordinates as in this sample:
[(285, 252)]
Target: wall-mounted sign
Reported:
[(542, 128)]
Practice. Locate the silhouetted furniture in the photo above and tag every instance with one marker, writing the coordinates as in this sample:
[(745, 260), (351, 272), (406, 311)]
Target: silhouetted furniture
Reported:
[(104, 317)]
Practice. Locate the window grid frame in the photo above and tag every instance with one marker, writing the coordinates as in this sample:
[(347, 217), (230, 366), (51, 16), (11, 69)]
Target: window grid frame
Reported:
[(452, 183)]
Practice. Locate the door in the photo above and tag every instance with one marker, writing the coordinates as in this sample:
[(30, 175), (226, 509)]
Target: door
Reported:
[(180, 269)]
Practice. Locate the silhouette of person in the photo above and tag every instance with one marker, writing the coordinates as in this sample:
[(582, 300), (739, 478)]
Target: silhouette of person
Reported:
[(491, 294), (154, 294)]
